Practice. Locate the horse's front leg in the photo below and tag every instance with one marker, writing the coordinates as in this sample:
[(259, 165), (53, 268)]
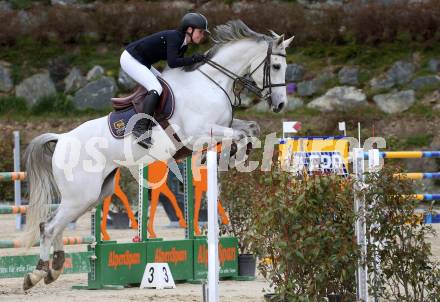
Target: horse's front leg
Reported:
[(215, 133), (250, 127)]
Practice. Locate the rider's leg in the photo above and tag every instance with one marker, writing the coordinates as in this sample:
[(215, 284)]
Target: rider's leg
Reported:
[(146, 77), (140, 73)]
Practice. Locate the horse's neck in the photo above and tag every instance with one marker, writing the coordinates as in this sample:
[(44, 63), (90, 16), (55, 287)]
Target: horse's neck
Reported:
[(236, 57)]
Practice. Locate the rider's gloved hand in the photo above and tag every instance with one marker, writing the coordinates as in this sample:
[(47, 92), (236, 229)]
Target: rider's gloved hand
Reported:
[(198, 57)]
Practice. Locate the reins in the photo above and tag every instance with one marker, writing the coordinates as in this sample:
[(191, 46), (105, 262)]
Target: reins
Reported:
[(240, 82)]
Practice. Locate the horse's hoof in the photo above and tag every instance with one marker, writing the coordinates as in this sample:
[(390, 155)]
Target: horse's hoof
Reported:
[(52, 275), (27, 282), (30, 279)]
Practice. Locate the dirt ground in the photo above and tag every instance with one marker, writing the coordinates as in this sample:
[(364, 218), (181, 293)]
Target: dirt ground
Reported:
[(11, 289)]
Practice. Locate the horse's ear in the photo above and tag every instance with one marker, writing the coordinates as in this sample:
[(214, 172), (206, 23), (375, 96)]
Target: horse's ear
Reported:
[(288, 41), (279, 41), (274, 34)]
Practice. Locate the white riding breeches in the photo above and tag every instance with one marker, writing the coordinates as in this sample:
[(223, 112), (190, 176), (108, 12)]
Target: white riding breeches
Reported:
[(140, 73)]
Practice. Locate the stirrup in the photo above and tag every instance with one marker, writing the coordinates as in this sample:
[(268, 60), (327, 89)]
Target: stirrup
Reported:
[(140, 129)]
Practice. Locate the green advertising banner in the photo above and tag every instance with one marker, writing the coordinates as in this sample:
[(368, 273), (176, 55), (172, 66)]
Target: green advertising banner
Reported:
[(227, 252), (177, 253), (17, 266)]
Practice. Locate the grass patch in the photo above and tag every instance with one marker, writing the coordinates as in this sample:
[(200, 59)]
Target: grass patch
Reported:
[(417, 141), (426, 90), (372, 60), (90, 55), (12, 105), (58, 106), (423, 111), (55, 103), (29, 56)]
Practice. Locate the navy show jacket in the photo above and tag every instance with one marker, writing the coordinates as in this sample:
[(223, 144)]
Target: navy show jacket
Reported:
[(164, 45)]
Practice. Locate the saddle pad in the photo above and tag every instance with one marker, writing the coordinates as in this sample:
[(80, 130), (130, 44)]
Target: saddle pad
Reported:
[(118, 120), (164, 110)]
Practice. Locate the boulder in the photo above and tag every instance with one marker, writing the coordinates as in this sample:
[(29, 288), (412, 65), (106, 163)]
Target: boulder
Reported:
[(339, 98), (95, 73), (431, 99), (125, 82), (426, 81), (5, 78), (262, 106), (5, 6), (401, 72), (395, 102), (240, 6), (74, 81), (294, 73), (294, 103), (434, 65), (96, 94), (348, 76), (382, 82), (63, 2), (308, 88), (35, 87)]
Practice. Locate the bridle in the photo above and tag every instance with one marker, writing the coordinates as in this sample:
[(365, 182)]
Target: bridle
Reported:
[(241, 83)]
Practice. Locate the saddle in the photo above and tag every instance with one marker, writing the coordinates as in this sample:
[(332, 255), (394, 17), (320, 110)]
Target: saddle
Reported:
[(125, 107)]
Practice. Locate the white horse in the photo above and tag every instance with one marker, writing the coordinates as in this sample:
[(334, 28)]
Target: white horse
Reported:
[(78, 167)]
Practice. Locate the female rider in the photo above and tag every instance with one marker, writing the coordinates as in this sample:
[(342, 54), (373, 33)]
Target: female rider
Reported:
[(169, 45)]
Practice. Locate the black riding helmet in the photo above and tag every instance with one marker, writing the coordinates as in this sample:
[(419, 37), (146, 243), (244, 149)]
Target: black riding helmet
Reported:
[(194, 20)]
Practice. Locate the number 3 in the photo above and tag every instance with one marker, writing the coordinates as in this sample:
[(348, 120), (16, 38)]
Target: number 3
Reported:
[(152, 274), (166, 276)]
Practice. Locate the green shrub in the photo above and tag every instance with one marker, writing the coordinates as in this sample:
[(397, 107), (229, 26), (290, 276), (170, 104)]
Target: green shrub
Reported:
[(121, 21), (399, 239), (238, 204), (12, 104), (21, 4), (304, 232), (58, 103)]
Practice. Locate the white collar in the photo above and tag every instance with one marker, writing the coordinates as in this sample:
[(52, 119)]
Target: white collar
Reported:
[(184, 42)]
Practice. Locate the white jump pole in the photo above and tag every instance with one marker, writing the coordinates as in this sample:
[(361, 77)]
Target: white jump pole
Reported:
[(213, 228), (360, 228)]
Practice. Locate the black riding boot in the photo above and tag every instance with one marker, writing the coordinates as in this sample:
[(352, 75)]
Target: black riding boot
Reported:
[(150, 102)]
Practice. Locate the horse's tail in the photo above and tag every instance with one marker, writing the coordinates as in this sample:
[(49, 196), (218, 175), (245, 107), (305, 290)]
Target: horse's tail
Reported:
[(42, 187)]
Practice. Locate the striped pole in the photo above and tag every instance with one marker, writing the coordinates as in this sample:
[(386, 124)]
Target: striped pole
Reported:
[(427, 197), (407, 154), (5, 244), (17, 183), (433, 175), (8, 176), (5, 209)]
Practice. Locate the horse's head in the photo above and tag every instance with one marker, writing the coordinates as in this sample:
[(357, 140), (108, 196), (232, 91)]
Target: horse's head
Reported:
[(268, 70)]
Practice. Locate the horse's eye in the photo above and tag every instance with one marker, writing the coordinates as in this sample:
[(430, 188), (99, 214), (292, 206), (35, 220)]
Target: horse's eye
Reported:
[(276, 66)]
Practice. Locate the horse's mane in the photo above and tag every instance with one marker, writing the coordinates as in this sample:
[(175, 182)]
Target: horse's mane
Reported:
[(231, 31)]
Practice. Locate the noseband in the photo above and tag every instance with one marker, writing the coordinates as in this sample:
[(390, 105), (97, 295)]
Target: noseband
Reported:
[(240, 83)]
